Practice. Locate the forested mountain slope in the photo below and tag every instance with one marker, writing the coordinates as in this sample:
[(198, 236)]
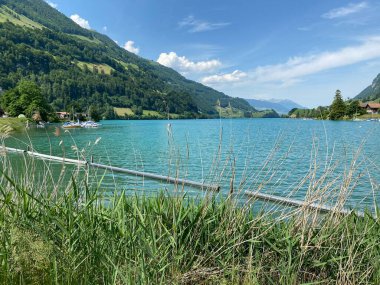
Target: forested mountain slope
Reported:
[(372, 92), (78, 68)]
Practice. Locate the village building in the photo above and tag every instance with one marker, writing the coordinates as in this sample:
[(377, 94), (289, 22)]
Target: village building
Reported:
[(63, 115), (371, 107)]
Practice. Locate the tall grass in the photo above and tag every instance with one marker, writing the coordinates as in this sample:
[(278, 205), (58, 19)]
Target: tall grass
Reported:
[(13, 124), (59, 231)]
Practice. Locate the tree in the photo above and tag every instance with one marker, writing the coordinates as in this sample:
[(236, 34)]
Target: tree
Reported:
[(26, 98), (109, 114), (338, 107), (137, 110), (292, 111), (94, 113), (353, 109)]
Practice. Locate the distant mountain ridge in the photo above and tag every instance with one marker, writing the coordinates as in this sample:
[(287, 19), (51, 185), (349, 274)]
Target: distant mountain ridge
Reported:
[(281, 106), (372, 92), (77, 68)]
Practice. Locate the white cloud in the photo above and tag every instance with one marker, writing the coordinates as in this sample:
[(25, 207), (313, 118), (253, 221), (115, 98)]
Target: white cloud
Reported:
[(346, 10), (129, 46), (235, 76), (54, 5), (182, 64), (195, 26), (80, 21), (297, 67), (105, 29)]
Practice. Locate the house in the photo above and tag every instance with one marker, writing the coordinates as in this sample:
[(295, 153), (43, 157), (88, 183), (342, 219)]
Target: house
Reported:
[(371, 107), (63, 115)]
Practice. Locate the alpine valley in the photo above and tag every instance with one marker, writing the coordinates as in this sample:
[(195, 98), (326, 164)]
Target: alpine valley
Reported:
[(278, 105)]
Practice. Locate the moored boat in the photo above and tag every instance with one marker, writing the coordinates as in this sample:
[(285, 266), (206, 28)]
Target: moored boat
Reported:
[(41, 125), (90, 124), (72, 125)]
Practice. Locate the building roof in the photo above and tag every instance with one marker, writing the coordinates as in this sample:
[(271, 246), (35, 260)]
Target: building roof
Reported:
[(371, 105), (374, 105)]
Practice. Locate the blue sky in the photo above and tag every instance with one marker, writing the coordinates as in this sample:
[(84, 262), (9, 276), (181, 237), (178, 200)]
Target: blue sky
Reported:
[(296, 49)]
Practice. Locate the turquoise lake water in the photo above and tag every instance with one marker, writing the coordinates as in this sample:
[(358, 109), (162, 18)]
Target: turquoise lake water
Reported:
[(277, 156)]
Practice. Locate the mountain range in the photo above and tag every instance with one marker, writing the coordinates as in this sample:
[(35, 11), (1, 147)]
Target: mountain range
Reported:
[(281, 106), (78, 68), (372, 92)]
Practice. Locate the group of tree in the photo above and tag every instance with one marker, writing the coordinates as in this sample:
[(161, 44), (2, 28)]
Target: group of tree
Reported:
[(26, 99), (316, 113), (270, 113), (338, 110)]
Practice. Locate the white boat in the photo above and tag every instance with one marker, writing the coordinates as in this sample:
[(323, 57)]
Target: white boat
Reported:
[(72, 125), (41, 125), (90, 124)]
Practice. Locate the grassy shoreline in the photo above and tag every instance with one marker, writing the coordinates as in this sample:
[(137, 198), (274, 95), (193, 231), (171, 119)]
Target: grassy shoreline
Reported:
[(12, 124), (73, 238)]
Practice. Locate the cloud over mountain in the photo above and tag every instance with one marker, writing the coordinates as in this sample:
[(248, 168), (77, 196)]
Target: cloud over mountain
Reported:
[(80, 21), (130, 46), (235, 76), (182, 64)]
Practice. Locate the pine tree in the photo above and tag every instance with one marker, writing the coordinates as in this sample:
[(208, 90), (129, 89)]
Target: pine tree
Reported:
[(338, 107)]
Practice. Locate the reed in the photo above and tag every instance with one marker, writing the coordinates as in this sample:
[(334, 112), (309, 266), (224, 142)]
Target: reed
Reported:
[(14, 124)]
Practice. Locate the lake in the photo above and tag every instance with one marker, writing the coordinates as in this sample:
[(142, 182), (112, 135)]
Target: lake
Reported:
[(277, 156)]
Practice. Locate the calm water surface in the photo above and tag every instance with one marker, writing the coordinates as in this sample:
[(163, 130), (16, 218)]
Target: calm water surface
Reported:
[(278, 156)]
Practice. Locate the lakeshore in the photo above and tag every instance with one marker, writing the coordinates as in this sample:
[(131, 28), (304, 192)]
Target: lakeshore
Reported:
[(69, 224)]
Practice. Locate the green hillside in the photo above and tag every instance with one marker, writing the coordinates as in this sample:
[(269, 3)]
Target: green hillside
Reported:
[(372, 92), (78, 68)]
